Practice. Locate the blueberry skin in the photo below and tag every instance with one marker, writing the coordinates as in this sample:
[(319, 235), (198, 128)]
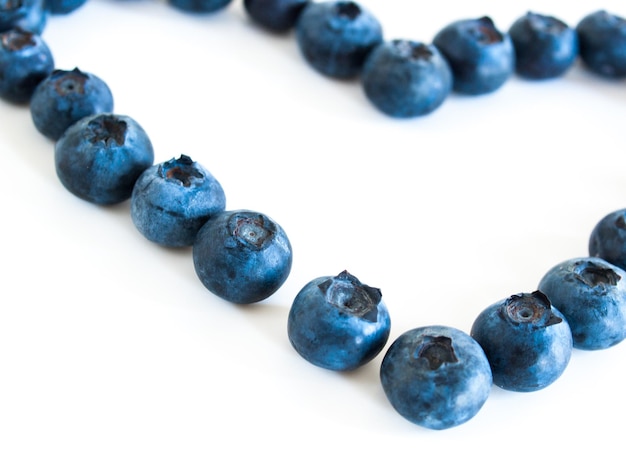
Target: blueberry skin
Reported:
[(545, 47), (602, 43), (242, 256), (482, 58), (65, 97), (335, 37), (527, 341), (608, 238), (406, 78), (275, 15), (171, 201), (25, 60), (199, 6), (11, 12), (591, 295), (29, 15), (100, 157), (63, 7), (338, 323), (436, 376)]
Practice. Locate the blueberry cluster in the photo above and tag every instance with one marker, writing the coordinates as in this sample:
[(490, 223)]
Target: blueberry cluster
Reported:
[(407, 78), (106, 158), (435, 376)]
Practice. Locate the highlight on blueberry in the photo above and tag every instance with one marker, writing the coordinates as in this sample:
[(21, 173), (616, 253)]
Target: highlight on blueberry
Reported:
[(338, 323)]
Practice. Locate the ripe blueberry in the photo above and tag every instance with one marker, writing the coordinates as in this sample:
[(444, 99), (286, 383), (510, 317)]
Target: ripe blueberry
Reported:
[(436, 376), (591, 295), (608, 238), (100, 157), (242, 256), (545, 47), (335, 37), (25, 60), (527, 341), (338, 323), (602, 43), (66, 96), (275, 15), (406, 78), (481, 57), (171, 201)]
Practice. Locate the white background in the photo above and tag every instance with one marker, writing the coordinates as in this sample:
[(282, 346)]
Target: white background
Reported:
[(113, 354)]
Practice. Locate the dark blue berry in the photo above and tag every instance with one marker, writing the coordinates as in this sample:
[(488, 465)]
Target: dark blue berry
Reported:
[(275, 15), (100, 157), (335, 37), (602, 43), (608, 238), (171, 201), (25, 60), (436, 376), (591, 295), (527, 341), (545, 47), (242, 256), (64, 97), (12, 11), (338, 323), (62, 7), (406, 78), (482, 58), (29, 15), (199, 6)]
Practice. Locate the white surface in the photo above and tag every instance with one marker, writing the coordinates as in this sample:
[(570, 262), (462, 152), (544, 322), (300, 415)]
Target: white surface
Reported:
[(113, 355)]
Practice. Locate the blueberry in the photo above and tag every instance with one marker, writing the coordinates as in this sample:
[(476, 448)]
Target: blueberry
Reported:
[(100, 157), (591, 295), (527, 341), (29, 15), (482, 58), (25, 60), (336, 37), (436, 376), (275, 15), (602, 43), (608, 238), (338, 323), (199, 6), (10, 12), (545, 47), (66, 96), (171, 201), (406, 78), (242, 256), (62, 7)]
